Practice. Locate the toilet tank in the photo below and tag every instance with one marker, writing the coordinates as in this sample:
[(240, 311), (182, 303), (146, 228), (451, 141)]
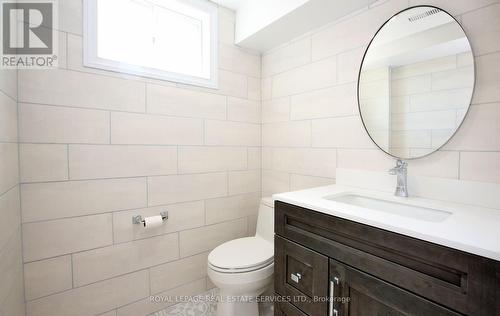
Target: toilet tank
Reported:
[(265, 219)]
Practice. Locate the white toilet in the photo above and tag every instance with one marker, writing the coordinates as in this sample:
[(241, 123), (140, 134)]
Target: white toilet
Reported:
[(243, 268)]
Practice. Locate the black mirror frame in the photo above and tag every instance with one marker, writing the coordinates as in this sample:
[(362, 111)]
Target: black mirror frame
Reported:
[(470, 101)]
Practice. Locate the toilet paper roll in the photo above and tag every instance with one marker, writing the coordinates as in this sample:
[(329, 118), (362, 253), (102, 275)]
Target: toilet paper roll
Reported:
[(153, 221)]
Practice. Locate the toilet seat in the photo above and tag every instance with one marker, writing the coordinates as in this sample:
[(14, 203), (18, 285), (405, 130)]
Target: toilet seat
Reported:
[(242, 255)]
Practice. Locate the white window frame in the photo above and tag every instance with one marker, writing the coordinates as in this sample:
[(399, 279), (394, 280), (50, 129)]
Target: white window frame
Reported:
[(90, 58)]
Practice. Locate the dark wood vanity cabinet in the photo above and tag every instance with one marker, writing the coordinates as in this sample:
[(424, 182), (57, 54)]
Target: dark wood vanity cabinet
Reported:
[(325, 265)]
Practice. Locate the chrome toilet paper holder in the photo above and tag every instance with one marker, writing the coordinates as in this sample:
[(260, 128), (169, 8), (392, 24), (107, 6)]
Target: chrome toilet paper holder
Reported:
[(138, 220)]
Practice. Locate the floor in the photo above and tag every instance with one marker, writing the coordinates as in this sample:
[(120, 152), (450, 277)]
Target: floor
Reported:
[(204, 305)]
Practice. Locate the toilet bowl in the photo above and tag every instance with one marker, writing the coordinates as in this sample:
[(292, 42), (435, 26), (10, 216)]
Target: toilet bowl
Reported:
[(243, 268)]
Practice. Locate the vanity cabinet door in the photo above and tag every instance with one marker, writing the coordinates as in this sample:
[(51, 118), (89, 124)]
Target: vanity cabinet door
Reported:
[(355, 293), (301, 277)]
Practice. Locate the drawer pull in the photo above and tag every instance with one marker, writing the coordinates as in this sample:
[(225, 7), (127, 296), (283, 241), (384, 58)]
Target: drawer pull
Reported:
[(296, 277), (331, 310)]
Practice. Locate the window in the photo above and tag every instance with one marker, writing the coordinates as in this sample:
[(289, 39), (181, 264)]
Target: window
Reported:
[(173, 40)]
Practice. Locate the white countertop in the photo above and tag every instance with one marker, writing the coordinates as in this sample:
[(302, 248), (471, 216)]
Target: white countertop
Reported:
[(471, 229)]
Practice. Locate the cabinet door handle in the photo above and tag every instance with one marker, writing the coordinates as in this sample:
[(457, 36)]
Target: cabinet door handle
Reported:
[(296, 277), (331, 310)]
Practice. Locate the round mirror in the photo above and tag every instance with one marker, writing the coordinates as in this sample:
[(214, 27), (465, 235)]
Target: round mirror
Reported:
[(416, 82)]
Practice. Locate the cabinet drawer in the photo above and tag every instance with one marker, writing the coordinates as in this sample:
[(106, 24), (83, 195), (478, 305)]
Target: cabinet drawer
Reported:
[(286, 309), (301, 276)]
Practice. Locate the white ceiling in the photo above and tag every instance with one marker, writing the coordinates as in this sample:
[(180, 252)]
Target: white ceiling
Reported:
[(264, 24)]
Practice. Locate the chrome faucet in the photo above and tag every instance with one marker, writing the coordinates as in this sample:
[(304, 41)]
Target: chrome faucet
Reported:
[(401, 171)]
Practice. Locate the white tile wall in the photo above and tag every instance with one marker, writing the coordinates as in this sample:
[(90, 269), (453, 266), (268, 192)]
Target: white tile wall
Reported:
[(100, 147), (323, 110)]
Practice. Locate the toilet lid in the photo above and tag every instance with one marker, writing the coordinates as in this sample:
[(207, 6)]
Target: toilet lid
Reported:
[(242, 253)]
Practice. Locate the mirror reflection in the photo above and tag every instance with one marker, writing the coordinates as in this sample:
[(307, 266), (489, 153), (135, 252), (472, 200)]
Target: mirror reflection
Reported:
[(416, 82)]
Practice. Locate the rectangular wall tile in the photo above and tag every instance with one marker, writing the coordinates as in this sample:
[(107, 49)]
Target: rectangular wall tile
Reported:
[(54, 238), (232, 207), (180, 217), (180, 188), (206, 238), (111, 261), (71, 88), (16, 306), (8, 118), (9, 169), (129, 128), (477, 130), (177, 273), (196, 159), (364, 159), (113, 161), (481, 26), (349, 64), (8, 82), (11, 265), (232, 133), (236, 59), (243, 110), (266, 88), (69, 11), (254, 89), (47, 277), (312, 76), (300, 182), (43, 201), (52, 124), (330, 102), (487, 87), (226, 30), (346, 132), (184, 102), (287, 57), (233, 84), (480, 166), (442, 164), (243, 181), (287, 134), (254, 158), (10, 211), (43, 162), (276, 110), (305, 161), (274, 182), (93, 299)]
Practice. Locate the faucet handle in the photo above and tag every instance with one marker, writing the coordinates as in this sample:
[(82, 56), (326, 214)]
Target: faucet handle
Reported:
[(400, 166)]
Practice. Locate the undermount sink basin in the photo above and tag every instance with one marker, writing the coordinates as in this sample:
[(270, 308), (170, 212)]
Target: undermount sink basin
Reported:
[(392, 207)]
